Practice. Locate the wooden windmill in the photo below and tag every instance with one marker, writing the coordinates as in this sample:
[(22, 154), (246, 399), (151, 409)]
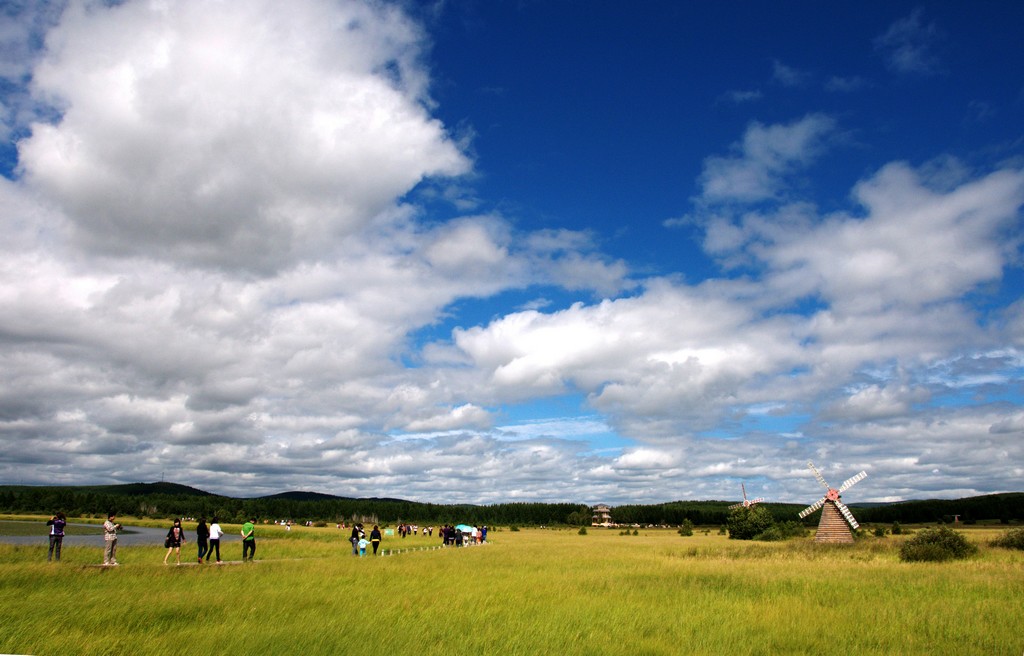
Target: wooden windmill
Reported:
[(746, 503), (836, 518)]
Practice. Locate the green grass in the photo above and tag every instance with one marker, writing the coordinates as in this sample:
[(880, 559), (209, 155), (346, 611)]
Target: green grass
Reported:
[(528, 592)]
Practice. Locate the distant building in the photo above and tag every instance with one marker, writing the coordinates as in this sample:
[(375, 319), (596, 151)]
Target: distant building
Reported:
[(602, 515)]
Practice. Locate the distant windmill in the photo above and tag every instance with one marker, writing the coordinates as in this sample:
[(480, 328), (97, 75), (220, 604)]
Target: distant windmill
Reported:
[(746, 503), (832, 528)]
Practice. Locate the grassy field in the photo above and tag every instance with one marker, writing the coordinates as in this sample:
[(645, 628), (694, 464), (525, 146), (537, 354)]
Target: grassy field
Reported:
[(527, 592)]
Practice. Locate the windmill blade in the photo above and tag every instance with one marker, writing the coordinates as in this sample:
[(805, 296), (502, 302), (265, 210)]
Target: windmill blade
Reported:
[(811, 508), (757, 500), (847, 514), (817, 475), (853, 480), (744, 488), (735, 506)]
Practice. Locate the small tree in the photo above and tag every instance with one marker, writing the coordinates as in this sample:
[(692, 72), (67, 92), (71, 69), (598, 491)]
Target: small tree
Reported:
[(896, 528), (747, 522), (686, 528)]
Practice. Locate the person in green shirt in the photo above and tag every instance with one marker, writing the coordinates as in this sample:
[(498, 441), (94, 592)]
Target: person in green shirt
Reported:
[(249, 539)]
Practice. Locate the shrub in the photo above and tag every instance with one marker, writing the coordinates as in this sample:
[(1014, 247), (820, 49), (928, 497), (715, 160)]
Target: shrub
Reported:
[(686, 529), (880, 531), (746, 523), (937, 544), (896, 528), (1012, 539), (514, 528), (782, 531), (582, 531), (771, 534)]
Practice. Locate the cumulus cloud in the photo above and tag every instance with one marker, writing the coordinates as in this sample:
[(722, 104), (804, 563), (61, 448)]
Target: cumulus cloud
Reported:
[(236, 135), (914, 247), (871, 402), (193, 149), (761, 161)]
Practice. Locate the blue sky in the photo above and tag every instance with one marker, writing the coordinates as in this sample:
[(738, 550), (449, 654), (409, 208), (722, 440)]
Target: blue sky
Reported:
[(487, 251)]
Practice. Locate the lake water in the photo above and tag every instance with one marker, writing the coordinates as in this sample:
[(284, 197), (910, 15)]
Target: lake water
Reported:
[(129, 536)]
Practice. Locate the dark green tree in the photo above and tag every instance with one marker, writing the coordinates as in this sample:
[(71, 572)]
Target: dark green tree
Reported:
[(746, 523)]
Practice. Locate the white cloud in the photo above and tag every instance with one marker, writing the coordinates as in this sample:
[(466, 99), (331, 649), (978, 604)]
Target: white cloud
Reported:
[(873, 402), (908, 45), (915, 246), (122, 358), (787, 75), (240, 135), (464, 416), (763, 159)]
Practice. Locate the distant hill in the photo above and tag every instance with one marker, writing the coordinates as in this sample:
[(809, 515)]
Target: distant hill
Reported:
[(123, 489), (296, 495), (133, 489)]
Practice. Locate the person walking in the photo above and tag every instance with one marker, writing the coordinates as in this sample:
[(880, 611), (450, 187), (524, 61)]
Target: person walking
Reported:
[(110, 529), (202, 538), (375, 538), (175, 536), (354, 539), (56, 524), (215, 533), (249, 539)]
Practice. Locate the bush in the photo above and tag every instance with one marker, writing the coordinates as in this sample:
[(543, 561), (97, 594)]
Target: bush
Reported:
[(1012, 539), (937, 544), (771, 534), (686, 529), (514, 528), (782, 531), (880, 531), (582, 531), (896, 528), (746, 523)]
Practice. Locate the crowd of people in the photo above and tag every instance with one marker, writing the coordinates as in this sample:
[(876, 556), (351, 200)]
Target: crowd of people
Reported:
[(208, 538), (454, 536)]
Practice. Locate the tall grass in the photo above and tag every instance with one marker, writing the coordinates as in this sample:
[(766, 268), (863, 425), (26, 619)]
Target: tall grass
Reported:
[(527, 592)]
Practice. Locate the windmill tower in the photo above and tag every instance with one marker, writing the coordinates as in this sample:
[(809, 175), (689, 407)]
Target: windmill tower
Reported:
[(834, 513), (746, 503)]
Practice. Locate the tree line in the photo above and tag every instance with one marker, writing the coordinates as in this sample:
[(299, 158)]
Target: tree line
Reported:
[(172, 500), (169, 500)]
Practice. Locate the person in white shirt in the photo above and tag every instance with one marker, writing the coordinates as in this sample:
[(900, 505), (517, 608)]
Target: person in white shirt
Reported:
[(215, 533)]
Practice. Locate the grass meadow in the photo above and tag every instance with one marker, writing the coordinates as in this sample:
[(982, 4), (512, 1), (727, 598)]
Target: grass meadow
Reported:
[(532, 591)]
